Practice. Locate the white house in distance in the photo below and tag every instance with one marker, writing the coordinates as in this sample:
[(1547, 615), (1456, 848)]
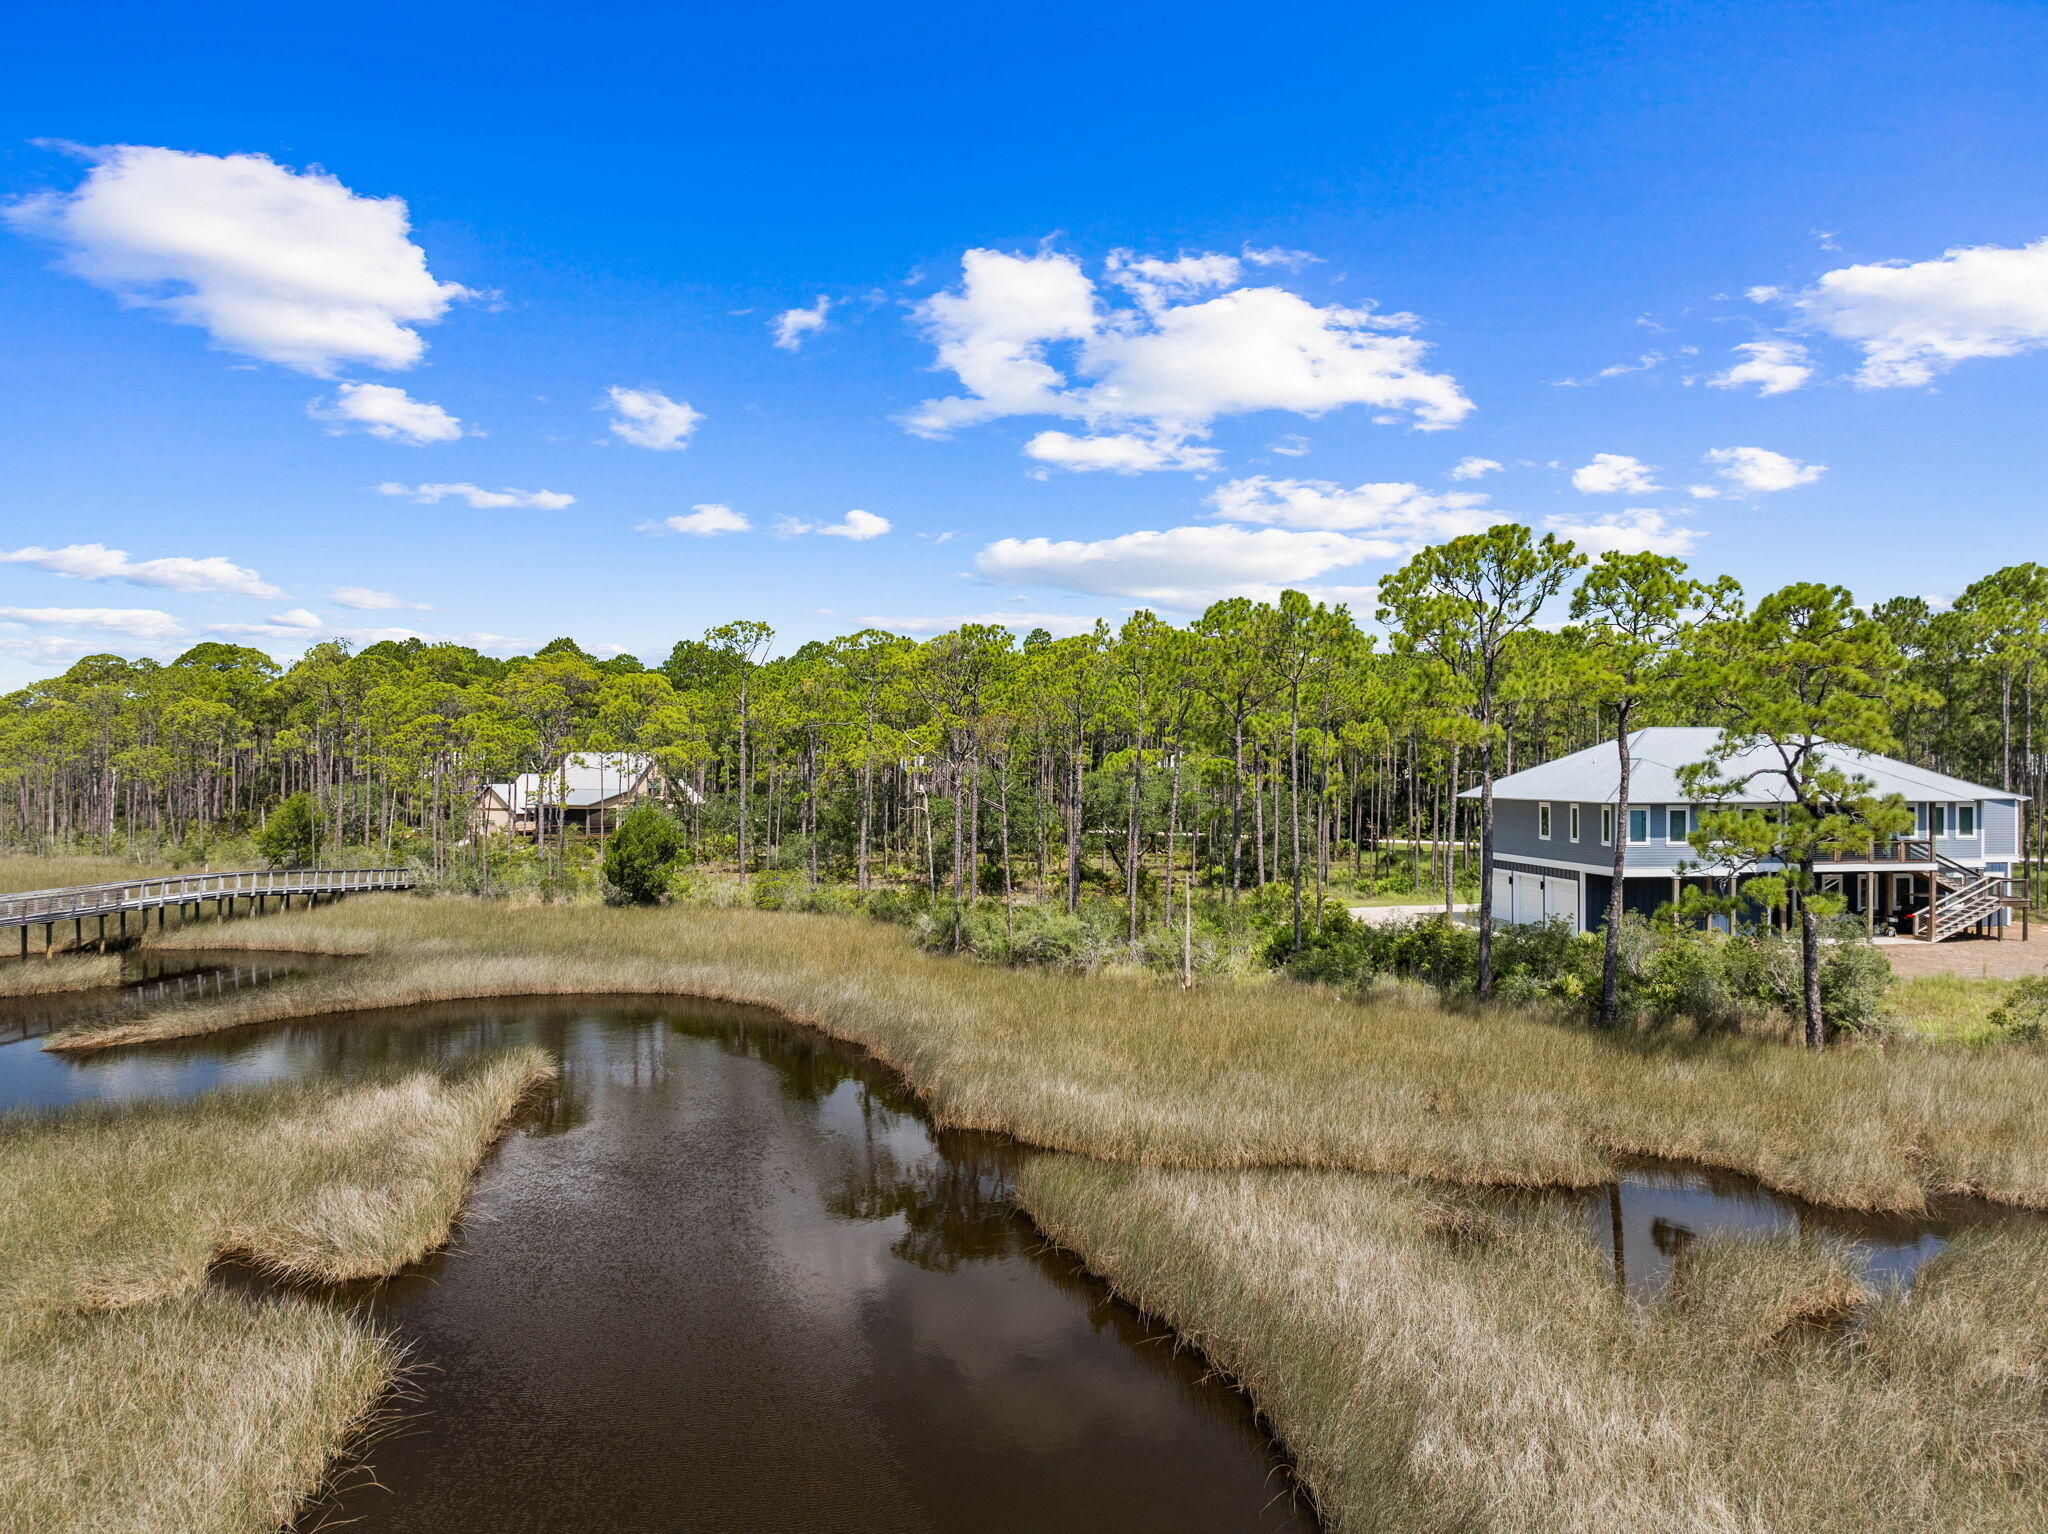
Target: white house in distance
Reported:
[(1554, 830), (592, 792)]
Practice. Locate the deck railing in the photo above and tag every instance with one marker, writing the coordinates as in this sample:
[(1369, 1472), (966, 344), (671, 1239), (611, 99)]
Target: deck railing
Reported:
[(35, 906), (1901, 849)]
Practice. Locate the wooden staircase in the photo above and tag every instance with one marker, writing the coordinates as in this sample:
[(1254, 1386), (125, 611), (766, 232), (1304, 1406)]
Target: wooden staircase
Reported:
[(1963, 897)]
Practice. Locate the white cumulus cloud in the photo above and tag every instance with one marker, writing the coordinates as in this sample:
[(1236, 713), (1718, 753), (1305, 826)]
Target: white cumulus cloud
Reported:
[(1180, 567), (1758, 470), (856, 526), (480, 498), (792, 325), (1611, 473), (1400, 517), (285, 266), (648, 418), (97, 562), (1636, 531), (1774, 366), (1034, 335), (364, 599), (1118, 452), (704, 521), (1474, 468), (1914, 320), (135, 622), (386, 411)]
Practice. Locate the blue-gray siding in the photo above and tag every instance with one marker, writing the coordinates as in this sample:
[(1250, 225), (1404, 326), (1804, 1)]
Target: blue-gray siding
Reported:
[(1515, 836)]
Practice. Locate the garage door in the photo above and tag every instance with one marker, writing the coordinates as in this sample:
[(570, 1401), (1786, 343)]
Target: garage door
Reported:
[(1561, 899), (1528, 898), (1503, 895)]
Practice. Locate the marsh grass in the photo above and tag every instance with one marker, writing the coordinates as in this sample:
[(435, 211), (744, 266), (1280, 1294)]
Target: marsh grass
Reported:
[(1433, 1370), (1949, 1009), (133, 1396), (102, 1207), (1239, 1074), (202, 1414), (47, 977), (21, 872)]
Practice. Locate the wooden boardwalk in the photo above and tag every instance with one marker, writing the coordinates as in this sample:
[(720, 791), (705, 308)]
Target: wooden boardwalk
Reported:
[(190, 893)]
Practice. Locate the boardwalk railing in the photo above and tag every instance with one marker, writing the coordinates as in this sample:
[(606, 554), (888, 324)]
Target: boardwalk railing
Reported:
[(35, 907)]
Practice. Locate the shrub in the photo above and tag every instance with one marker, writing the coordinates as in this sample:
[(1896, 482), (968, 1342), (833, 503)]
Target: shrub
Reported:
[(638, 855), (2023, 1014), (291, 836)]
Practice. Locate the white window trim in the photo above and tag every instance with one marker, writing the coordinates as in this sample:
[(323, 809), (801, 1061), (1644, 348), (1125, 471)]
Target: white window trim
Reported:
[(1679, 809), (1976, 822), (1571, 819), (1607, 825), (1644, 811), (1543, 824)]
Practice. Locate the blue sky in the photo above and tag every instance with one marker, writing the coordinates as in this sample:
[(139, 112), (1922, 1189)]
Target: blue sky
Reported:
[(1530, 236)]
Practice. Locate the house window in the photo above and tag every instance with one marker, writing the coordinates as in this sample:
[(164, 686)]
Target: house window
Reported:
[(1937, 820), (1638, 825), (1606, 825), (1966, 820), (1572, 819), (1543, 821), (1678, 824)]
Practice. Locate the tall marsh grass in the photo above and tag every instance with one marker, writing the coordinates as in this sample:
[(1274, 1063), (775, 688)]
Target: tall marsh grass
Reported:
[(134, 1397), (1478, 1374), (48, 977), (102, 1207), (1240, 1074), (203, 1414)]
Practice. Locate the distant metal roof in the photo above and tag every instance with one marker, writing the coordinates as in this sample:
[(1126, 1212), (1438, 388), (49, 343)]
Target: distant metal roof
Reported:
[(1593, 776), (590, 779)]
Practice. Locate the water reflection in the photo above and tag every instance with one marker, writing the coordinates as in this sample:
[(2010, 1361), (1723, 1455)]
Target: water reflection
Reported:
[(32, 1079), (726, 1277), (1645, 1220)]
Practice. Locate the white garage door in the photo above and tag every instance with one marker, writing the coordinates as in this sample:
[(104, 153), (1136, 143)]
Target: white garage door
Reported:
[(1503, 895), (1528, 898), (1561, 899)]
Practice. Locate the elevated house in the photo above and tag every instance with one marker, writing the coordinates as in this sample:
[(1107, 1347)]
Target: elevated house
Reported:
[(1554, 830), (591, 792)]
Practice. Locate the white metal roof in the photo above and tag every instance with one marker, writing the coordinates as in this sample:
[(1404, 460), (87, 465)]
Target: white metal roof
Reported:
[(591, 779), (1593, 776)]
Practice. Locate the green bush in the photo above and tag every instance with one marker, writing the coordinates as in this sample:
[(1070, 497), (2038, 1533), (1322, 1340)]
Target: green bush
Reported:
[(2023, 1015), (638, 855), (290, 837)]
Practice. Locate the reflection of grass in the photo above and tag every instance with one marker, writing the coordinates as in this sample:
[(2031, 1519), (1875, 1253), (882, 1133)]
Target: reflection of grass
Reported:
[(1947, 1008), (1432, 1372), (134, 1397), (1239, 1074), (45, 977)]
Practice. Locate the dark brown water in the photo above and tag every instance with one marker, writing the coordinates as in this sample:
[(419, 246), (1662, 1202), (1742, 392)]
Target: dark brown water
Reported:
[(729, 1279), (1653, 1212)]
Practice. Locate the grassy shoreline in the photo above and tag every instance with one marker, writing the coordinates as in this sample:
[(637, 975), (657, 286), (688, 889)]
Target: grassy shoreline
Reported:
[(1434, 1366), (1126, 1068), (51, 977), (141, 1397)]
